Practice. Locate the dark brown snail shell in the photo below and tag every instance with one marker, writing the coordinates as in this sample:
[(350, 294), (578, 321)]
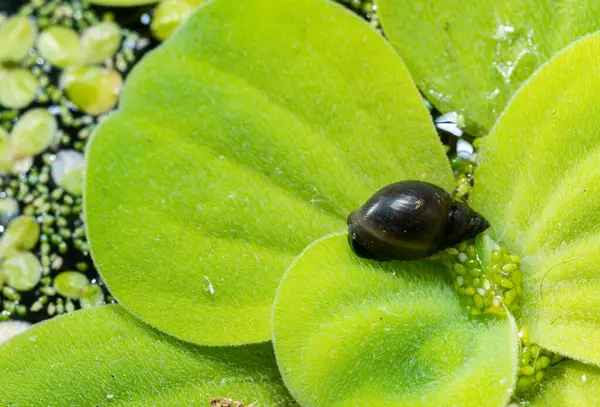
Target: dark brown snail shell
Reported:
[(411, 220)]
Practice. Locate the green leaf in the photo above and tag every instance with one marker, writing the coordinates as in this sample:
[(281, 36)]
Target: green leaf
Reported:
[(352, 332), (570, 384), (91, 88), (537, 185), (33, 132), (17, 35), (61, 46), (18, 88), (256, 129), (472, 56), (105, 357), (168, 15)]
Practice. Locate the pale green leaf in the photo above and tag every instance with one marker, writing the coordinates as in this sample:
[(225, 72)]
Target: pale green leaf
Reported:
[(61, 46), (18, 88), (100, 41), (168, 16), (21, 271), (91, 88), (33, 132), (538, 186), (571, 384), (351, 332), (472, 56), (105, 357), (17, 35), (256, 129)]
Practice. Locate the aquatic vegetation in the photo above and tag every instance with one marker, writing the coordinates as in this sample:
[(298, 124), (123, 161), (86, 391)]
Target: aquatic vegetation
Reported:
[(216, 200), (512, 39), (59, 77)]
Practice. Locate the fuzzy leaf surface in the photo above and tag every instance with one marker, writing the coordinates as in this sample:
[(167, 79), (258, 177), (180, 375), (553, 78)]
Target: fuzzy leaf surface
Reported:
[(256, 129), (538, 185), (351, 332)]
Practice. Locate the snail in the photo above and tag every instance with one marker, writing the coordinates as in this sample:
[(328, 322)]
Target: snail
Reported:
[(410, 220)]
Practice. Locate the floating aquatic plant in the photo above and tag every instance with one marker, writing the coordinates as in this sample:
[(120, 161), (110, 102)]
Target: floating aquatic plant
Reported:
[(42, 137), (100, 42), (216, 201), (169, 15), (513, 38)]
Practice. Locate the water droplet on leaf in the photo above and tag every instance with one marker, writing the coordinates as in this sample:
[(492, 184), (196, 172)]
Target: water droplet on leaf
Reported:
[(503, 32), (515, 56), (92, 88)]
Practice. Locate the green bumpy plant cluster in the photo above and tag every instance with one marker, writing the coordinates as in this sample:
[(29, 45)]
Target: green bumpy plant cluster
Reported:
[(463, 172), (240, 147), (534, 361), (488, 287)]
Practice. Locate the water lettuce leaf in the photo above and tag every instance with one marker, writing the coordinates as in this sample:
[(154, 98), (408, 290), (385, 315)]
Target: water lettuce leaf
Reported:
[(472, 56), (538, 186), (351, 332), (256, 129)]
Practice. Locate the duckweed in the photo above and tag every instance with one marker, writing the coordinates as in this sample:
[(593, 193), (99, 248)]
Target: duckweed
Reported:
[(93, 89), (9, 208), (488, 281), (534, 361), (71, 284), (18, 88), (167, 17), (17, 36), (67, 171), (60, 46), (21, 271), (21, 234)]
